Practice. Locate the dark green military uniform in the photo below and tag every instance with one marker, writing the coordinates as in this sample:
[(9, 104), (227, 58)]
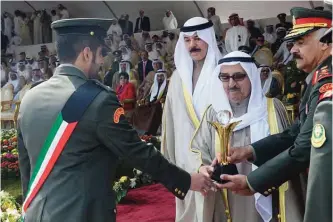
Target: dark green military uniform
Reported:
[(319, 192), (79, 187), (289, 152)]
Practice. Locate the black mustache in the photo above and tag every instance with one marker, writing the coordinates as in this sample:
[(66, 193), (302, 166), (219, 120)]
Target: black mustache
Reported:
[(296, 56), (233, 89), (195, 50)]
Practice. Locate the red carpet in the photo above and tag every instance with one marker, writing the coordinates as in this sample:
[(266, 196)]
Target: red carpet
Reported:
[(153, 203)]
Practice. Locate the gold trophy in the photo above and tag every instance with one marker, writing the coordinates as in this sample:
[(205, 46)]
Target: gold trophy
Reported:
[(224, 131)]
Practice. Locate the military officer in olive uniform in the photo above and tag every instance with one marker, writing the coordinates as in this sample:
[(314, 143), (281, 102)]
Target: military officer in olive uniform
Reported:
[(68, 161), (283, 156), (319, 193)]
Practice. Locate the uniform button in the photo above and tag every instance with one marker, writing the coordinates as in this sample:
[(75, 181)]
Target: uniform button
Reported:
[(115, 211), (269, 190), (183, 194), (273, 188), (266, 193), (179, 192), (176, 190)]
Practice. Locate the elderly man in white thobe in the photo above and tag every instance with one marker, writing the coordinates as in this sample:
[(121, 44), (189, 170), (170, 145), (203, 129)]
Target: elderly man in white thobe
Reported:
[(237, 35), (169, 21), (196, 56), (238, 89)]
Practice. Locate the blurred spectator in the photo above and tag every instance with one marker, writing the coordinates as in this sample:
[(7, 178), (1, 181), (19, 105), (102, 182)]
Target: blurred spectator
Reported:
[(55, 16), (269, 34), (237, 35), (283, 23), (142, 23), (215, 20), (64, 14), (8, 25), (169, 21), (126, 25), (280, 34)]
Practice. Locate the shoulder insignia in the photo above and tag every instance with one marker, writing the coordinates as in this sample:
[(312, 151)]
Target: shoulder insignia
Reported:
[(116, 116), (320, 74), (326, 87), (318, 137), (98, 83), (323, 73), (325, 91), (325, 95)]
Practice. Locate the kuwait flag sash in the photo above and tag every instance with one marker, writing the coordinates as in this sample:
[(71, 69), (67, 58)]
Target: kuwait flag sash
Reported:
[(58, 136)]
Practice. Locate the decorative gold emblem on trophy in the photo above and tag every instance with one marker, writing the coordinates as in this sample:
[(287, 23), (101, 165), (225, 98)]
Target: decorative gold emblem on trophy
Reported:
[(224, 130)]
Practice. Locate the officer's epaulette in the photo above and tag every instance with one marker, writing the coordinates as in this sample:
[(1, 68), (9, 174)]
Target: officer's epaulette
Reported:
[(98, 83), (325, 92), (321, 74)]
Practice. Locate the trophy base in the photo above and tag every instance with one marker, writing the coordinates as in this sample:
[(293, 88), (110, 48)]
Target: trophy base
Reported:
[(230, 169)]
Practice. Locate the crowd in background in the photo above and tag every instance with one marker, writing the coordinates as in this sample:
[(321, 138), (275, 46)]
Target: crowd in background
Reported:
[(139, 69)]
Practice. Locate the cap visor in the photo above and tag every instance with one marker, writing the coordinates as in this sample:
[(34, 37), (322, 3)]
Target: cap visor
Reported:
[(296, 33)]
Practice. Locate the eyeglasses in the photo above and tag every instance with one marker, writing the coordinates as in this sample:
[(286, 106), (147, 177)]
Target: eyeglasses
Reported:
[(265, 70), (236, 77)]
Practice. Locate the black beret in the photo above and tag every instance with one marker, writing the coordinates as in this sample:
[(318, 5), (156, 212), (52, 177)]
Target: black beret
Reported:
[(281, 15), (83, 26)]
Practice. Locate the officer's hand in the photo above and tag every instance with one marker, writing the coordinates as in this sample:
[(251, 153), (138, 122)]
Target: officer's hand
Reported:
[(206, 170), (237, 184), (239, 154), (201, 183)]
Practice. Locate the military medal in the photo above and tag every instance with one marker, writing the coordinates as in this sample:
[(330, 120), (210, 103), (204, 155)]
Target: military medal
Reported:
[(318, 136)]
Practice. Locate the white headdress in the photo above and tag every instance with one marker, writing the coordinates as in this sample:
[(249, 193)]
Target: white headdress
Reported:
[(256, 117), (154, 89), (184, 62), (14, 82), (158, 61), (128, 66), (125, 55), (267, 84)]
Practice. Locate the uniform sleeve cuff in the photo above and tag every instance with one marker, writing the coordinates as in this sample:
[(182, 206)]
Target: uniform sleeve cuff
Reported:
[(249, 185)]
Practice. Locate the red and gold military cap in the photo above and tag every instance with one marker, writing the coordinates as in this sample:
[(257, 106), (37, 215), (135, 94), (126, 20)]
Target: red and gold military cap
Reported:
[(307, 20)]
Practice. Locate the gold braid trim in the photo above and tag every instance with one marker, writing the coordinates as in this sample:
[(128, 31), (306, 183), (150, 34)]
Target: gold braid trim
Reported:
[(310, 25)]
